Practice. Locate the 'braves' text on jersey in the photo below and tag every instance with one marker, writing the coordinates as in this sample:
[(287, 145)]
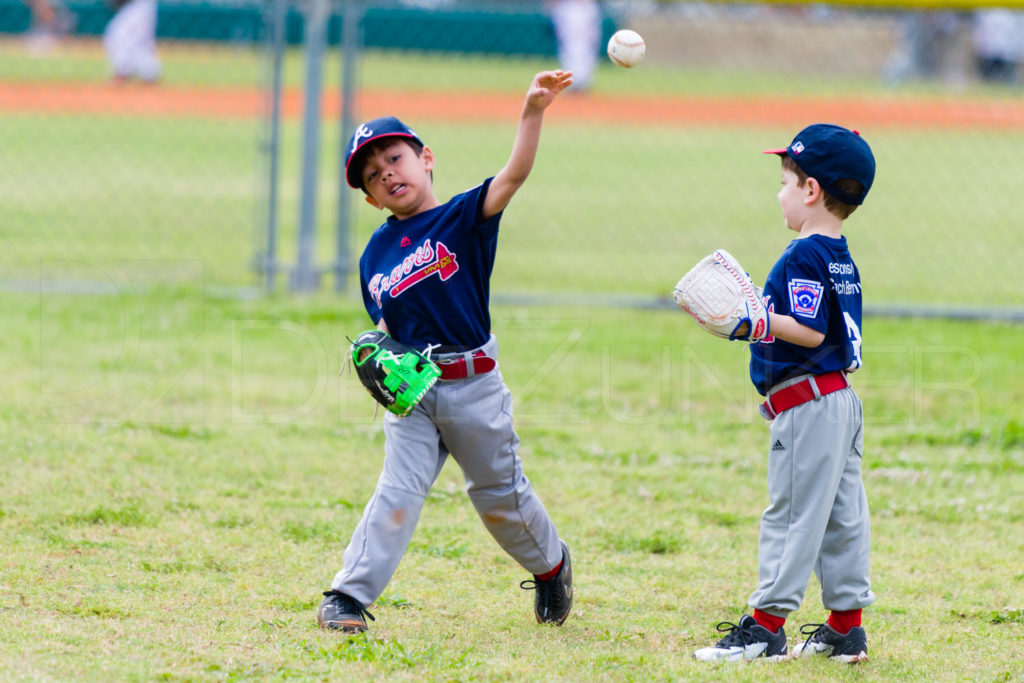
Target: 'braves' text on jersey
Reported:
[(816, 282), (428, 276)]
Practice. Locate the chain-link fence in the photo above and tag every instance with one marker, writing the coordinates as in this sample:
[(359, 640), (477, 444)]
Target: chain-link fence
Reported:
[(216, 173)]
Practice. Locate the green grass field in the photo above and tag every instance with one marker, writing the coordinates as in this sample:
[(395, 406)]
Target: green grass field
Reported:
[(181, 472), (609, 209), (575, 227), (246, 64), (181, 475)]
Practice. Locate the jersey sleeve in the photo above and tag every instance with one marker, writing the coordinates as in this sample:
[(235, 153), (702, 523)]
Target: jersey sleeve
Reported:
[(489, 225), (806, 288)]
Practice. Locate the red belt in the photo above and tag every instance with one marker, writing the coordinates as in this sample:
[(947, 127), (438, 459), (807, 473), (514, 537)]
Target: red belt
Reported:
[(458, 368), (807, 390)]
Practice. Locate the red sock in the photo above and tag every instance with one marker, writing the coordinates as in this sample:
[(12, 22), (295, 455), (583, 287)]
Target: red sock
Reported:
[(842, 622), (547, 576), (769, 621)]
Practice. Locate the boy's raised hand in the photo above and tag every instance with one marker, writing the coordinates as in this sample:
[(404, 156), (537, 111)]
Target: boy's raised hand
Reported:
[(543, 90), (546, 86)]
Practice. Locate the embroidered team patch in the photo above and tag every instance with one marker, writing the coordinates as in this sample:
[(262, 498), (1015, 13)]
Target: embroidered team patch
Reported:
[(805, 297)]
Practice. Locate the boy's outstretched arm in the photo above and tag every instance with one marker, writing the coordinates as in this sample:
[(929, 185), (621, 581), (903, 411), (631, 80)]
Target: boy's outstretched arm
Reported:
[(545, 88)]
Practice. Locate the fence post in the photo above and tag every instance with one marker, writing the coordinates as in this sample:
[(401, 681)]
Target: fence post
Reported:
[(273, 143), (305, 276), (350, 44)]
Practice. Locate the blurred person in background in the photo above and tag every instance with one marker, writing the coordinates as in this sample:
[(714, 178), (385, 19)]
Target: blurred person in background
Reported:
[(130, 42), (927, 38), (577, 25), (998, 43), (48, 23)]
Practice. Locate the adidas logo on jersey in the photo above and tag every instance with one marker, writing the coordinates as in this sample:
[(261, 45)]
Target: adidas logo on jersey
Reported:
[(777, 446)]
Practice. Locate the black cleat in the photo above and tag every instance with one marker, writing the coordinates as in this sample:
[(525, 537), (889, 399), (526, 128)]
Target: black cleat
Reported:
[(822, 639), (553, 600), (746, 640), (339, 612)]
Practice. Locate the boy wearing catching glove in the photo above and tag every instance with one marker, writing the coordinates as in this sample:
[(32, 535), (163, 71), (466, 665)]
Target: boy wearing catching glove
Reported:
[(806, 339), (425, 279)]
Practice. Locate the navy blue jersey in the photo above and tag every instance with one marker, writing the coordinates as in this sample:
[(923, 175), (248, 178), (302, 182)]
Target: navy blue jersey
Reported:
[(816, 282), (429, 275)]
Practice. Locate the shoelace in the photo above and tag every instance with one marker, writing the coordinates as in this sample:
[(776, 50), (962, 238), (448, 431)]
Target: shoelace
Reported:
[(350, 604), (738, 635), (429, 351), (551, 599), (810, 630)]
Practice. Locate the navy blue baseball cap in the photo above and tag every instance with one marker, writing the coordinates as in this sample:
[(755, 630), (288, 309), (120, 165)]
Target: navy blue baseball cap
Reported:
[(829, 153), (384, 127)]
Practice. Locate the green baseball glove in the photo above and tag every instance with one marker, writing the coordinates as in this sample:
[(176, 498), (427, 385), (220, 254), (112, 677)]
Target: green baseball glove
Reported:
[(396, 375)]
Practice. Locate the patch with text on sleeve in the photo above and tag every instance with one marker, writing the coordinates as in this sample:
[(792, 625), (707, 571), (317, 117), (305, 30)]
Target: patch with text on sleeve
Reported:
[(805, 297)]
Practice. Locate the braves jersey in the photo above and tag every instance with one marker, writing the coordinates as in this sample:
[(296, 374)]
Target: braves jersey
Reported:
[(429, 275), (816, 282)]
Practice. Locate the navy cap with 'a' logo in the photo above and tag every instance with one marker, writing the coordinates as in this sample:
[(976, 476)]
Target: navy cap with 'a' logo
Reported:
[(830, 153), (384, 127)]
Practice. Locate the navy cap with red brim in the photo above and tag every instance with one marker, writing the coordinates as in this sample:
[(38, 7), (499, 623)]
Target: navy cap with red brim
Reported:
[(384, 127), (831, 153)]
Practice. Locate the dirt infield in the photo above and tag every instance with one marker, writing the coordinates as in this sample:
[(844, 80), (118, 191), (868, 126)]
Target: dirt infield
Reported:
[(175, 101)]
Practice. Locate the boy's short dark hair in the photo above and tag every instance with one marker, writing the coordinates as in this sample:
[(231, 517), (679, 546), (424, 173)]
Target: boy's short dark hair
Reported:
[(359, 158), (837, 208)]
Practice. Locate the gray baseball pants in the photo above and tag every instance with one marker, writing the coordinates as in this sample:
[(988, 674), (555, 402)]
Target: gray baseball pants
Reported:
[(130, 41), (818, 511), (471, 420)]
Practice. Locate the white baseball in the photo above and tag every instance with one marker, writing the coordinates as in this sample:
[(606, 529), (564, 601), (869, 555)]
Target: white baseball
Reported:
[(626, 48)]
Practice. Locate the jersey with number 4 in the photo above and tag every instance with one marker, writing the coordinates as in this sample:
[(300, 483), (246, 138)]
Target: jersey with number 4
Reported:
[(816, 282)]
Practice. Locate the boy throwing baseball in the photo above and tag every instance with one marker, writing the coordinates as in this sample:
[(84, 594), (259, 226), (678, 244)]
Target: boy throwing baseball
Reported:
[(806, 334), (425, 278)]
